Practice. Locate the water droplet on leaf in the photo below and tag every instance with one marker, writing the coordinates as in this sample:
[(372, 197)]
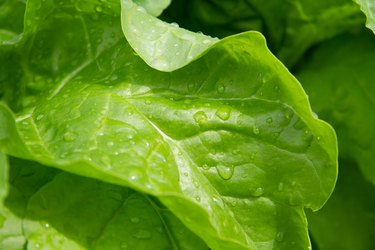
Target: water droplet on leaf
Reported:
[(135, 220), (255, 130), (142, 234), (225, 172), (223, 113), (175, 25), (69, 136), (99, 8), (221, 88), (279, 236), (200, 117), (258, 192), (206, 166)]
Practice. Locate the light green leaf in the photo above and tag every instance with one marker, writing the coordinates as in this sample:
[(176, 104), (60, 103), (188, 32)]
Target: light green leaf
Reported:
[(347, 221), (163, 46), (3, 176), (11, 236), (155, 8), (368, 7), (339, 80)]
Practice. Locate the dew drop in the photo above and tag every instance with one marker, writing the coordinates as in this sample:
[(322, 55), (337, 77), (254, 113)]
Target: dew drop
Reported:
[(258, 192), (225, 172), (318, 138), (221, 88), (39, 117), (141, 9), (198, 198), (175, 25), (206, 166), (133, 177), (288, 114), (255, 130), (186, 174), (252, 156), (98, 8), (281, 186), (269, 120), (223, 113), (69, 136), (142, 234), (135, 220), (196, 184), (148, 102), (233, 203), (279, 236), (46, 225), (200, 117)]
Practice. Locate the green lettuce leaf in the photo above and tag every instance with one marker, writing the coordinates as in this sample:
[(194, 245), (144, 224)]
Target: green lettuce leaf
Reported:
[(161, 45), (57, 210), (11, 20), (368, 7), (339, 80), (291, 27), (347, 221), (227, 143)]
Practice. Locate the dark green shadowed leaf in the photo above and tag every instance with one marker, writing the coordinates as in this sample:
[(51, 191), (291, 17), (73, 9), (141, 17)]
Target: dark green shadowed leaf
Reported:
[(347, 221), (227, 143), (11, 20), (56, 210), (340, 82), (291, 27)]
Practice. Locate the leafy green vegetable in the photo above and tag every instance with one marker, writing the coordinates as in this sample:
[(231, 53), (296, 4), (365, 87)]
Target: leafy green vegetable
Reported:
[(225, 145), (340, 87), (11, 20), (347, 221), (339, 80), (161, 45), (368, 7)]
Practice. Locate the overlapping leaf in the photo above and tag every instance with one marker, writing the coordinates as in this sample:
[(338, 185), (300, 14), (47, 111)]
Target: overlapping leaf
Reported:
[(340, 88), (228, 143), (368, 7), (291, 27), (347, 221), (55, 210)]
